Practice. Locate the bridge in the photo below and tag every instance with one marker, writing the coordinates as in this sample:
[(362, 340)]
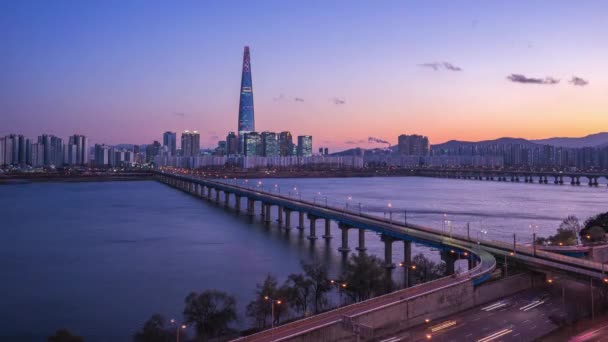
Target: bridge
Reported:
[(482, 255), (540, 177)]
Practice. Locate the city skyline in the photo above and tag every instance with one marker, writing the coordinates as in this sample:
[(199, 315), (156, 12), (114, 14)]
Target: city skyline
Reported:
[(448, 75)]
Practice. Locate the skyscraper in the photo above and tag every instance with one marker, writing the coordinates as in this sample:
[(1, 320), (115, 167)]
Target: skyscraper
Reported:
[(169, 140), (82, 149), (285, 144), (253, 144), (413, 145), (246, 117), (304, 146), (191, 144), (232, 144), (270, 144)]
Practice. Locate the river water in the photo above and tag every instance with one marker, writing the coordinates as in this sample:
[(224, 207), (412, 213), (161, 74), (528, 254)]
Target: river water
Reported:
[(100, 258)]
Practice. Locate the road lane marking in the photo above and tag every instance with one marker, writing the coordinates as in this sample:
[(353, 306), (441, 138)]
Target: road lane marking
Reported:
[(495, 335), (533, 306), (443, 325), (392, 339), (494, 306), (526, 306)]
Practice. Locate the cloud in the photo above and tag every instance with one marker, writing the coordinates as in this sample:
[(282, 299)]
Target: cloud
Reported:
[(214, 137), (441, 65), (577, 81), (377, 140), (338, 101), (298, 99), (519, 78), (179, 115), (354, 142), (279, 98)]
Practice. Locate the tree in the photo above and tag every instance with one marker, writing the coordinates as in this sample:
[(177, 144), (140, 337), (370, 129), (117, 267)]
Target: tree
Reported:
[(364, 276), (599, 220), (426, 270), (567, 233), (595, 234), (267, 294), (320, 284), (211, 312), (154, 330), (64, 335), (298, 292)]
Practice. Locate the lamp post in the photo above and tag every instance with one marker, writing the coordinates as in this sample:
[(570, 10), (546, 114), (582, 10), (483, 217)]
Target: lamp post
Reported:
[(272, 302), (340, 286), (347, 202), (177, 329), (390, 212), (533, 227), (406, 272)]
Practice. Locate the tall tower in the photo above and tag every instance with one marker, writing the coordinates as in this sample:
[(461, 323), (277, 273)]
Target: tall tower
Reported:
[(246, 118)]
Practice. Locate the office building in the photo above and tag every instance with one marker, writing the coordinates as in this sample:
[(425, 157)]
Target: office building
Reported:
[(286, 144), (232, 144), (270, 144), (304, 146), (253, 144), (170, 140), (246, 113)]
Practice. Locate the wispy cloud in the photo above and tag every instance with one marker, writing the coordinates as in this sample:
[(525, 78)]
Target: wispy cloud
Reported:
[(298, 99), (519, 78), (179, 115), (279, 98), (577, 81), (440, 65), (354, 142), (338, 101)]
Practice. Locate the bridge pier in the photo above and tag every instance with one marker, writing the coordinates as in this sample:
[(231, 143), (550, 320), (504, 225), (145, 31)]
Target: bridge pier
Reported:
[(250, 207), (449, 257), (388, 251), (327, 236), (361, 248), (226, 199), (344, 248), (313, 229), (267, 216), (407, 262), (301, 220), (555, 180), (237, 203), (287, 218), (209, 193), (280, 215), (217, 196)]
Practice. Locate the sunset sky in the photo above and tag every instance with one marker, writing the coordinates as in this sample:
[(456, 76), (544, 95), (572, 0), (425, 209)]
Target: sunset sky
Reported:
[(126, 71)]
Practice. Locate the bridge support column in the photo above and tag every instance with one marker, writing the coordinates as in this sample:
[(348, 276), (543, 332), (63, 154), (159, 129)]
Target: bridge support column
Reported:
[(250, 206), (287, 218), (237, 203), (196, 189), (555, 179), (262, 209), (217, 196), (361, 247), (313, 228), (344, 248), (407, 262), (301, 220), (449, 258), (267, 214), (280, 215), (327, 235), (209, 193), (226, 199), (388, 251)]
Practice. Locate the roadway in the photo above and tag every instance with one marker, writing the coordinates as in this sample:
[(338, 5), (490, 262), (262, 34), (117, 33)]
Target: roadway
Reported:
[(525, 316)]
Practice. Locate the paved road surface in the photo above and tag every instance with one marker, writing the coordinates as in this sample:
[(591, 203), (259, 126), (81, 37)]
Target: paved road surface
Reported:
[(522, 317)]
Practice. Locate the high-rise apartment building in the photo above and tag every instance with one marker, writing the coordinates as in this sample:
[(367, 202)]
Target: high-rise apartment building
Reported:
[(170, 140), (413, 145), (285, 144), (191, 144), (80, 150), (246, 113), (53, 149), (304, 146), (270, 144)]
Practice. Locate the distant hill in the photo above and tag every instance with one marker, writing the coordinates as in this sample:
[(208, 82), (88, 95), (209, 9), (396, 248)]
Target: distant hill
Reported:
[(499, 141), (592, 140)]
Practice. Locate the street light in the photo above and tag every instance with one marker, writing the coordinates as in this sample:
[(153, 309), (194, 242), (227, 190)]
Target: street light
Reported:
[(272, 302), (407, 267), (390, 212), (348, 201), (177, 329), (340, 286)]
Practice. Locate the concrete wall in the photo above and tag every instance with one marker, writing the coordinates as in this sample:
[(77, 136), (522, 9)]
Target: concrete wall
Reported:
[(411, 312), (599, 254)]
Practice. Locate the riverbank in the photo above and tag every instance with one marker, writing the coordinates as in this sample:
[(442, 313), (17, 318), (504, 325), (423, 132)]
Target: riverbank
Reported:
[(76, 178)]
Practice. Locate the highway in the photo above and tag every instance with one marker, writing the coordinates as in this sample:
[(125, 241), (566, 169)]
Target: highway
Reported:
[(521, 317)]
